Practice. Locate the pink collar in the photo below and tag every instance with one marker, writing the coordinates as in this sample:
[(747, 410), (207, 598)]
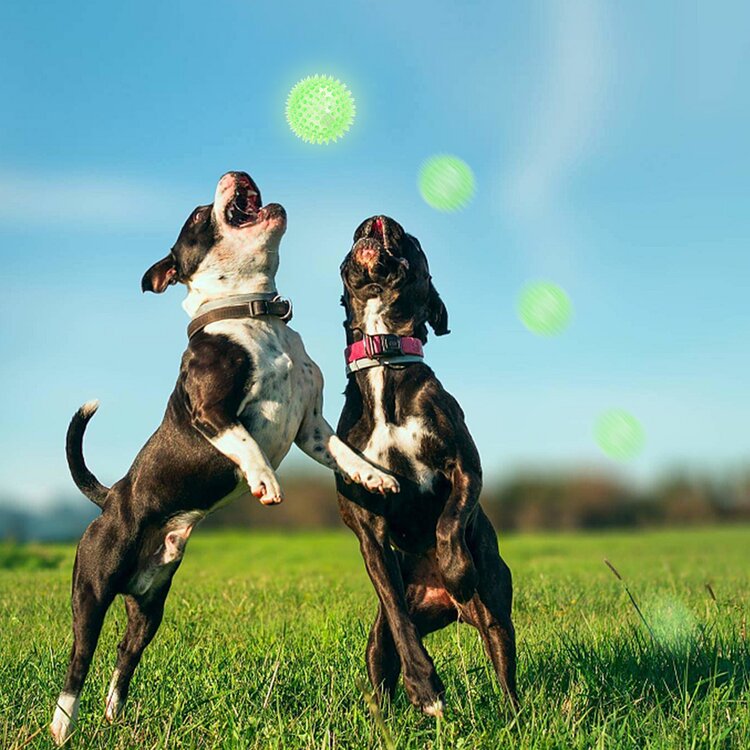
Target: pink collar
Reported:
[(382, 349)]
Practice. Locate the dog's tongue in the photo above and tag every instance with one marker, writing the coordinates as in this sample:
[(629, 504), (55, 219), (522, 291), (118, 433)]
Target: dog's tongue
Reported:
[(378, 233), (389, 235)]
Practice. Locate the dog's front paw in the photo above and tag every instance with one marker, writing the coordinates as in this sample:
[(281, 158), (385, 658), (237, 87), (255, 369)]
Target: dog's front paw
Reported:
[(264, 484), (374, 480), (434, 709), (425, 690)]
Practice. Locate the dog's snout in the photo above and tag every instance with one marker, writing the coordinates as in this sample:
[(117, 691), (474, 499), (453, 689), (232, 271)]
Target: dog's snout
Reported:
[(234, 176), (234, 180), (226, 182), (367, 251), (384, 229)]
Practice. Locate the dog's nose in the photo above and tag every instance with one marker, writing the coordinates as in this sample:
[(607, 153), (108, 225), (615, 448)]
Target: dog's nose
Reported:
[(236, 175), (230, 180), (367, 251)]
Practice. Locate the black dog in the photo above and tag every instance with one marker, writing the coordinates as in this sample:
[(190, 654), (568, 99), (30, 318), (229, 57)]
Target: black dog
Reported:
[(446, 562), (246, 391)]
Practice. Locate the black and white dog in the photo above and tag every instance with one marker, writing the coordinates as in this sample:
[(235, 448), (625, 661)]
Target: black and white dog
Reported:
[(430, 550), (246, 391)]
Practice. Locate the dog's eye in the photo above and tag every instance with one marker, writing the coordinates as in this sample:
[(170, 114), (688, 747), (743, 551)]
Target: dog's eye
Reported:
[(199, 216)]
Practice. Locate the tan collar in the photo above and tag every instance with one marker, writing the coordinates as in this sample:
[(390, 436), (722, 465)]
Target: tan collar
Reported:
[(241, 306)]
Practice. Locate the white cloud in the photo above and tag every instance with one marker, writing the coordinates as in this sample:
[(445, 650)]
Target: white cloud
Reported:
[(571, 104), (86, 201)]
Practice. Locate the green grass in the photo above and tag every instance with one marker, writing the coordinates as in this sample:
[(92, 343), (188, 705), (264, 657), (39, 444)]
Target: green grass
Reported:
[(263, 641)]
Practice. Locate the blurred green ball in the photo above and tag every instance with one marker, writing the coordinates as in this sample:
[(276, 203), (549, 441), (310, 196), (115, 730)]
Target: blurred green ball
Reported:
[(544, 308), (671, 621), (619, 434), (446, 182), (320, 109)]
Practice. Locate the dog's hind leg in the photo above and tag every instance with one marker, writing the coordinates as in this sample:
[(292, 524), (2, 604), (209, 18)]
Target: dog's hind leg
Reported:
[(453, 555), (96, 574), (144, 618), (145, 609), (490, 608)]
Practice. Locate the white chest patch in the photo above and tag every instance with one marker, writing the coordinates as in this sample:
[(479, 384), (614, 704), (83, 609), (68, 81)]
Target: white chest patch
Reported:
[(281, 386), (406, 438), (373, 317)]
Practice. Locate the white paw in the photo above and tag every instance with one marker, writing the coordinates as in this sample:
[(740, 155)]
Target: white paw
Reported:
[(390, 484), (375, 480), (113, 708), (60, 729), (264, 484), (64, 718), (434, 709)]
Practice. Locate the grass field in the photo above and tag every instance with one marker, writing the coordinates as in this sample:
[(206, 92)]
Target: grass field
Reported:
[(263, 641)]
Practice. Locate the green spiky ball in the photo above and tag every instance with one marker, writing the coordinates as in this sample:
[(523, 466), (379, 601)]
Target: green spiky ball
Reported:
[(320, 109)]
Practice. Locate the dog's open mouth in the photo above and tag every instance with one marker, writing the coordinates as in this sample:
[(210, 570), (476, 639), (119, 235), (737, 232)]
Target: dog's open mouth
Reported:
[(243, 209)]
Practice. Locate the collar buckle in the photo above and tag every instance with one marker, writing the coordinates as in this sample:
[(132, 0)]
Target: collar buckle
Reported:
[(258, 307), (279, 306), (382, 345), (287, 316)]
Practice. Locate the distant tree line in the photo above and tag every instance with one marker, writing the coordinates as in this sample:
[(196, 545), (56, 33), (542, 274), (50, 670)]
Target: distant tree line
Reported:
[(590, 501), (529, 502), (524, 502)]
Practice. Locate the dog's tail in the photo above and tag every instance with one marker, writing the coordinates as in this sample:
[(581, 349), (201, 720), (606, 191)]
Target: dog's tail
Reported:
[(84, 479)]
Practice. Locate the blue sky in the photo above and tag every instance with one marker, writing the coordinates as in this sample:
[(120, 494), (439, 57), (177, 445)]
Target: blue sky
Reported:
[(609, 143)]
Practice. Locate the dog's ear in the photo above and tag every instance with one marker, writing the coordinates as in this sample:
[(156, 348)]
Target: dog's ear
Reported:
[(437, 313), (160, 275), (346, 303)]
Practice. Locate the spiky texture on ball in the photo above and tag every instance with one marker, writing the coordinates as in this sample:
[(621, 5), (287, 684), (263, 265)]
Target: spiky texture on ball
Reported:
[(320, 109)]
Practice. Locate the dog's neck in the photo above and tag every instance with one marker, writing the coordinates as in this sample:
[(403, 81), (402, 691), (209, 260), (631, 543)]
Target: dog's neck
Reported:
[(374, 320), (209, 288)]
